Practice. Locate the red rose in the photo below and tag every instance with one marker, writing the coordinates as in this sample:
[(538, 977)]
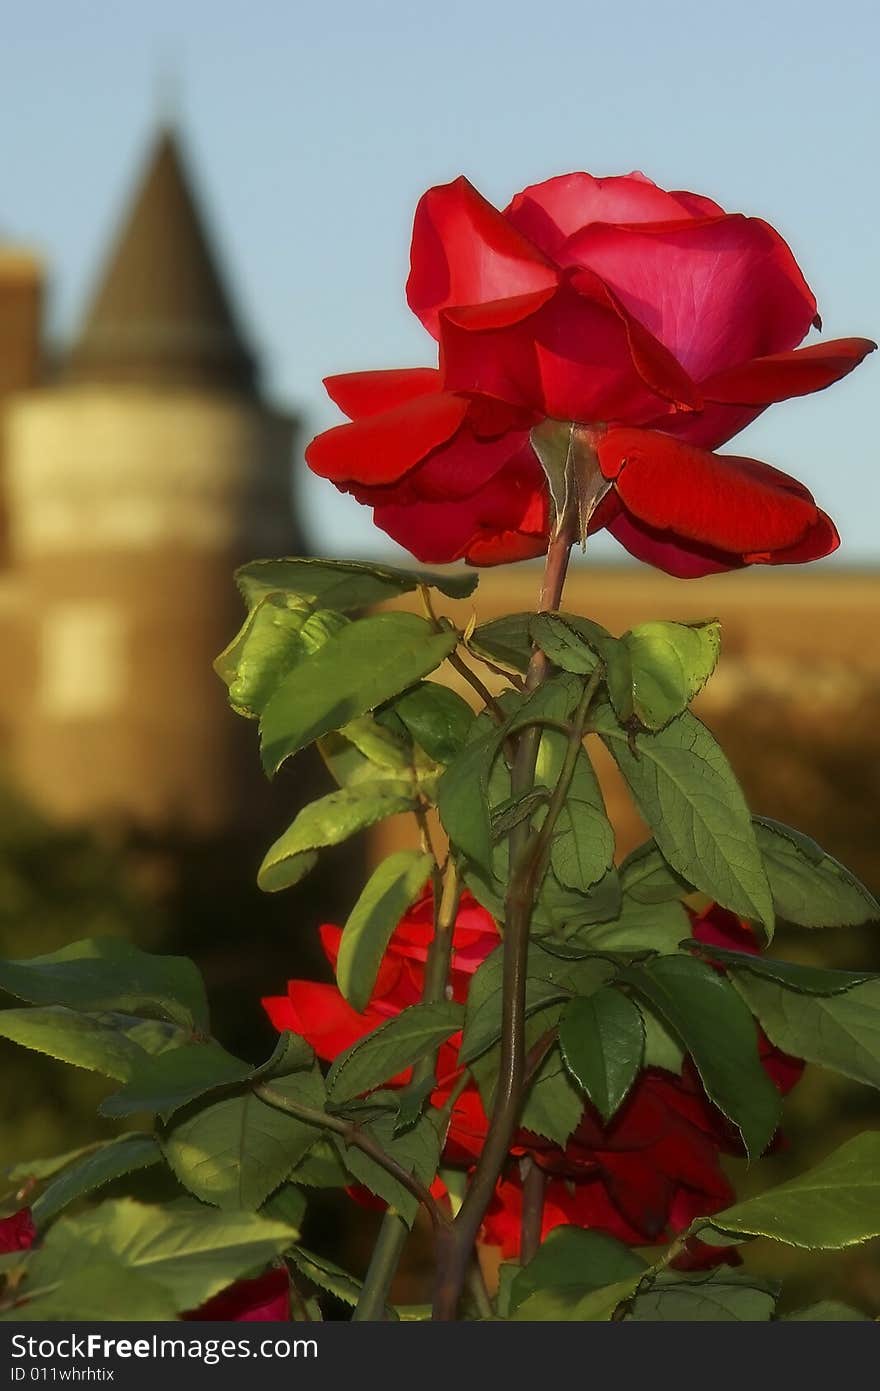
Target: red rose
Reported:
[(325, 1019), (17, 1233), (642, 1178), (655, 320), (265, 1299)]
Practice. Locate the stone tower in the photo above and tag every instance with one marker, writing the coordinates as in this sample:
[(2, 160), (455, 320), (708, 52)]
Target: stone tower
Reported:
[(134, 485)]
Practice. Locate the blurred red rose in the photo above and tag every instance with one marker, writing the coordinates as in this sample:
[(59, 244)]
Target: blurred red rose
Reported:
[(656, 1165), (658, 321), (265, 1299), (17, 1233), (642, 1178), (327, 1021)]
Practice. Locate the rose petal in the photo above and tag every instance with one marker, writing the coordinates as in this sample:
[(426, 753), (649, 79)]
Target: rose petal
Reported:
[(717, 291), (265, 1299), (17, 1232), (654, 363), (319, 1013), (783, 375), (580, 357), (371, 393), (685, 562), (456, 470), (724, 502), (697, 204), (819, 540), (379, 449), (550, 212), (465, 252), (512, 503)]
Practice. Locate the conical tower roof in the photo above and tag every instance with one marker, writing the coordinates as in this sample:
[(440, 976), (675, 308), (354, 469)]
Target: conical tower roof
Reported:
[(161, 314)]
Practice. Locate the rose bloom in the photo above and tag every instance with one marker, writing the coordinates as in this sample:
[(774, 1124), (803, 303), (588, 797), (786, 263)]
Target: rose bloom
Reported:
[(657, 321), (645, 1175), (656, 1165), (17, 1232), (264, 1299), (328, 1022)]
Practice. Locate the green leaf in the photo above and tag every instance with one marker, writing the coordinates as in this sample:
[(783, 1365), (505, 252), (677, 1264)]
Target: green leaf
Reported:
[(577, 1259), (320, 1167), (343, 584), (687, 793), (582, 847), (235, 1152), (663, 1047), (192, 1254), (291, 1054), (388, 753), (366, 664), (41, 1169), (104, 1291), (462, 798), (554, 699), (109, 973), (565, 1304), (639, 927), (645, 877), (809, 887), (507, 641), (827, 1311), (655, 670), (389, 891), (85, 1040), (554, 1106), (564, 645), (810, 980), (417, 1150), (326, 1275), (329, 821), (380, 1055), (837, 1204), (438, 719), (841, 1032), (602, 1038), (717, 1296), (719, 1033), (287, 1204), (103, 1164), (170, 1080), (548, 979), (276, 635)]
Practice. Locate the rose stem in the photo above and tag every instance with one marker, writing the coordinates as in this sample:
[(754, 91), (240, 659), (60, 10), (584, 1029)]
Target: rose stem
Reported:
[(455, 1244), (393, 1232), (533, 1185)]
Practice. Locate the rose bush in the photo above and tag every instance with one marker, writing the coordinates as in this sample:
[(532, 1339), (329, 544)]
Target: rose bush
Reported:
[(642, 1177), (656, 321)]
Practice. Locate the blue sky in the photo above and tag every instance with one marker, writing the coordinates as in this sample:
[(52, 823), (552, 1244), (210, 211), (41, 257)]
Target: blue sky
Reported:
[(314, 128)]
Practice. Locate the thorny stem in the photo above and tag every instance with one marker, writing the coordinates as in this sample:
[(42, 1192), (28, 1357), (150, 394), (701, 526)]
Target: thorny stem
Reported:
[(533, 1186), (352, 1135), (455, 1244), (477, 1290), (382, 1269), (477, 685)]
